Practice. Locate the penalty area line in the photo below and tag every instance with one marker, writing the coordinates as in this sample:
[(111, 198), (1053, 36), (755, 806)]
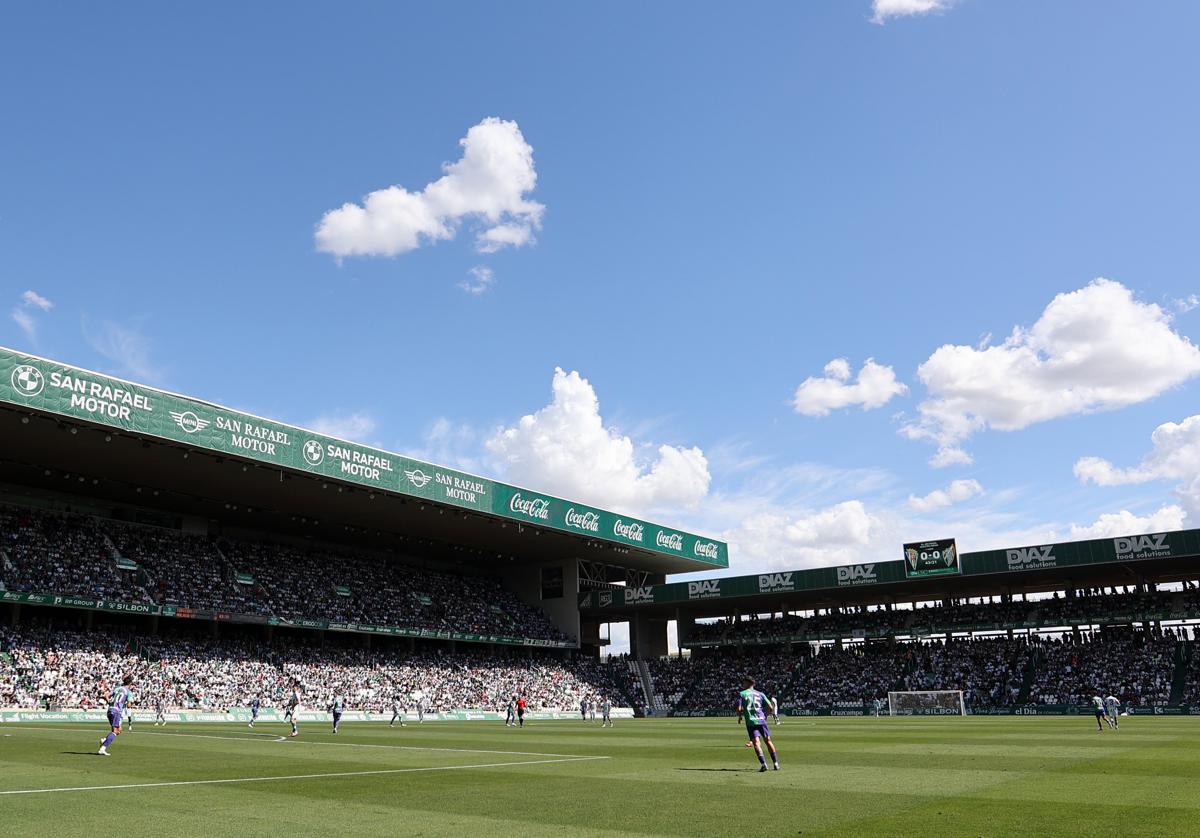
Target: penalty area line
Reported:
[(231, 780)]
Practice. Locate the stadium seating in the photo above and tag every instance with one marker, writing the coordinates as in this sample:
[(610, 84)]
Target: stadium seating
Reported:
[(62, 553), (54, 668), (1083, 607), (1137, 667)]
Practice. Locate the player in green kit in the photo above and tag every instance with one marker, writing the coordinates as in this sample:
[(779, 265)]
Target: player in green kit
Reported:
[(751, 707)]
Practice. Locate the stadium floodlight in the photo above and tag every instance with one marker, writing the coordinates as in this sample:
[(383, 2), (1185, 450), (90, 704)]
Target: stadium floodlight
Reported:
[(926, 703)]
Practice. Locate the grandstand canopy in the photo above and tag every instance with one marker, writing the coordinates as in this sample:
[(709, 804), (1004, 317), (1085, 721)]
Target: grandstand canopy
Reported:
[(1105, 562), (65, 429)]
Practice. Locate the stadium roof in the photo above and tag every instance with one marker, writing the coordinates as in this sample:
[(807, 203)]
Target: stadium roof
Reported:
[(1124, 560), (486, 514)]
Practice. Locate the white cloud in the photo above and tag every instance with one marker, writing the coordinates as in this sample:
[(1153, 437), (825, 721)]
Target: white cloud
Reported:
[(450, 444), (128, 348), (1112, 524), (950, 456), (355, 427), (25, 320), (902, 8), (1186, 304), (23, 313), (957, 492), (565, 448), (34, 299), (1175, 456), (481, 280), (875, 386), (1093, 349), (502, 236), (486, 185), (777, 539)]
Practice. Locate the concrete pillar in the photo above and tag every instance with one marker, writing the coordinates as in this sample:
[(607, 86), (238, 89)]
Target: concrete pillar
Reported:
[(684, 627), (647, 637)]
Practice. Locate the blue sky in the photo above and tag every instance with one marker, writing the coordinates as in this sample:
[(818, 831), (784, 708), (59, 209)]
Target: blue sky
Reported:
[(690, 209)]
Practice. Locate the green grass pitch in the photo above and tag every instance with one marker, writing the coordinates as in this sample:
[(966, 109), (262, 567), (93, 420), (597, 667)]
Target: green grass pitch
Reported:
[(976, 776)]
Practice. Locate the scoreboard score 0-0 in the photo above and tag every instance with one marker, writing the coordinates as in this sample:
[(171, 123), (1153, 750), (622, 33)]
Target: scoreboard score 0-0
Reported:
[(930, 558)]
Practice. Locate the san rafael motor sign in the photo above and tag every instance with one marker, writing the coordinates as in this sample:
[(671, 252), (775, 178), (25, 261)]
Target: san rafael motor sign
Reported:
[(33, 383)]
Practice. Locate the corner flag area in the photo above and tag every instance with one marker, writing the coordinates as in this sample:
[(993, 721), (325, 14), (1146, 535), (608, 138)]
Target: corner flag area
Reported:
[(925, 776)]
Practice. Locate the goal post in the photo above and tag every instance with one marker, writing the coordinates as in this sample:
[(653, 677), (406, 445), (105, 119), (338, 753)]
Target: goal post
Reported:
[(926, 703)]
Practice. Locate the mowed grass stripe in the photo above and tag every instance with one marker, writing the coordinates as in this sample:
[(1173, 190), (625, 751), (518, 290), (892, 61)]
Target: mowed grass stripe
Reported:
[(835, 781)]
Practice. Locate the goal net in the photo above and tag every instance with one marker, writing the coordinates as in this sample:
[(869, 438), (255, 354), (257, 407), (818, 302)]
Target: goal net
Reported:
[(926, 703)]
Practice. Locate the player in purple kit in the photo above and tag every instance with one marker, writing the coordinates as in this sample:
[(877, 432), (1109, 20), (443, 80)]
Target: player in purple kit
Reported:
[(751, 707), (121, 697)]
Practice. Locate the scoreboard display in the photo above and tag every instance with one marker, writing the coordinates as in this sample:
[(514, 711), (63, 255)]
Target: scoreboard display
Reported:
[(930, 558)]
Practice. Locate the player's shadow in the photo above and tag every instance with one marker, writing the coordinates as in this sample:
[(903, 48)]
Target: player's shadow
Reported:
[(80, 754), (716, 769)]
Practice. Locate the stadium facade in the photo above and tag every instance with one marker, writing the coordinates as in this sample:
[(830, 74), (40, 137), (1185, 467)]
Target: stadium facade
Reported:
[(71, 437), (163, 513)]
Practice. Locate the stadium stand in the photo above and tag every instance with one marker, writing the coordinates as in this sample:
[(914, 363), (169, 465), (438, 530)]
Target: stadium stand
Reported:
[(51, 668), (993, 672), (62, 553), (1081, 607)]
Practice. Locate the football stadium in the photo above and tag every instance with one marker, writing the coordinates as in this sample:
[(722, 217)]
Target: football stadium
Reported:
[(237, 626)]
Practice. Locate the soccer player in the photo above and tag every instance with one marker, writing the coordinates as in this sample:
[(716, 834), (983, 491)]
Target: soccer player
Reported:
[(606, 710), (510, 717), (878, 707), (116, 706), (419, 698), (255, 706), (398, 712), (160, 711), (750, 706), (1114, 709), (293, 708), (774, 700), (521, 712), (592, 702), (339, 703), (1098, 705), (583, 708)]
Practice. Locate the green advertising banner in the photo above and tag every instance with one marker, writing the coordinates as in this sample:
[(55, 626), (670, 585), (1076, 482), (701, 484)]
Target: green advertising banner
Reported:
[(22, 598), (1128, 548), (31, 382), (1121, 550), (821, 578), (268, 715)]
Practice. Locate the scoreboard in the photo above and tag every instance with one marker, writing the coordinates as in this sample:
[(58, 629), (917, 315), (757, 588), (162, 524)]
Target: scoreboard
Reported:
[(930, 558)]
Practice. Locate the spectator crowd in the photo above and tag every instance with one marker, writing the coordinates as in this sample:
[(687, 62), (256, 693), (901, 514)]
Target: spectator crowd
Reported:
[(76, 555), (992, 672), (45, 668), (1081, 607)]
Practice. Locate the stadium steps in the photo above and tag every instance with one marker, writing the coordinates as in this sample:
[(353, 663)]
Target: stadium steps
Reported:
[(228, 568), (1183, 653), (652, 697)]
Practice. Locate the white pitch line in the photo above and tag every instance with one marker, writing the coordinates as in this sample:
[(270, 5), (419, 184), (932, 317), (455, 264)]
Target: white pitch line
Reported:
[(297, 776), (246, 738)]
